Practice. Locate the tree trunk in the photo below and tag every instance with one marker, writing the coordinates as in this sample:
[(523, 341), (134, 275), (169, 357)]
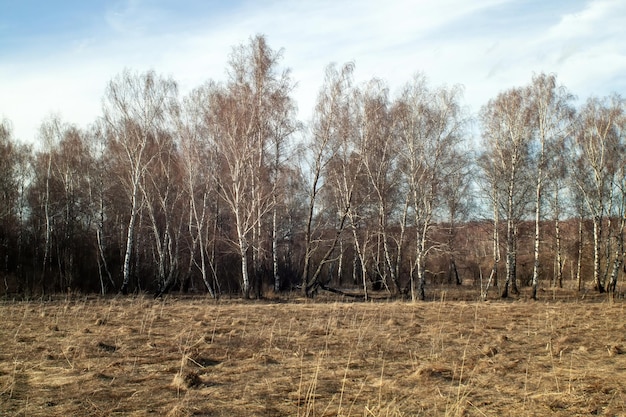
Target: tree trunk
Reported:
[(243, 251), (130, 239), (420, 293), (48, 225), (510, 238), (421, 278), (510, 259), (535, 281), (579, 257), (453, 273), (559, 253), (597, 234), (496, 242), (360, 251), (310, 286), (618, 257), (275, 246)]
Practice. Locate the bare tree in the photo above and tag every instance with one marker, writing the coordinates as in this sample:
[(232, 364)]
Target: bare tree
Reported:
[(552, 115), (198, 156), (596, 158), (51, 133), (620, 214), (97, 190), (8, 195), (135, 106), (161, 193), (507, 131), (431, 128), (490, 179), (457, 205), (380, 153), (252, 113), (15, 174), (324, 143), (71, 165)]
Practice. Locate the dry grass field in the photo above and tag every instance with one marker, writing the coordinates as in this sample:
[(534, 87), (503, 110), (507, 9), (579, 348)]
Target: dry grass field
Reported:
[(128, 356)]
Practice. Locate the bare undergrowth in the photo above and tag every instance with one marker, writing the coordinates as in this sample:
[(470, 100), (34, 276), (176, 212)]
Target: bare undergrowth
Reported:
[(184, 357)]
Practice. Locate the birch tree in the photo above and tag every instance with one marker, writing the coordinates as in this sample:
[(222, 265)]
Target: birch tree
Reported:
[(98, 188), (507, 131), (135, 107), (71, 166), (322, 146), (380, 156), (619, 211), (252, 112), (596, 158), (431, 128), (350, 189), (489, 178), (50, 132), (552, 113), (198, 158), (162, 196)]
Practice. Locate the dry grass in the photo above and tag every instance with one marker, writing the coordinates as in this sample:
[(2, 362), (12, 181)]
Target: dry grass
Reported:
[(184, 357)]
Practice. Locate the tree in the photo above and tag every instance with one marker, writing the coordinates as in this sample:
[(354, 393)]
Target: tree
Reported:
[(457, 205), (50, 132), (431, 129), (552, 114), (98, 187), (15, 173), (597, 155), (251, 114), (491, 186), (135, 108), (350, 190), (620, 211), (507, 131), (163, 202), (71, 166), (380, 154), (324, 143), (199, 162)]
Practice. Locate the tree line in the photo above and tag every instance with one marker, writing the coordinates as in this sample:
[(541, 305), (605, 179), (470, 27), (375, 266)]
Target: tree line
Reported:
[(225, 191)]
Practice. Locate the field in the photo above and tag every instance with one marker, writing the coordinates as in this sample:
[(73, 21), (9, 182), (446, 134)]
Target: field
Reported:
[(135, 356)]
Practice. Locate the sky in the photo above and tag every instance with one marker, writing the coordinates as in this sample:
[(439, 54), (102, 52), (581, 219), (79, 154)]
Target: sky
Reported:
[(56, 57)]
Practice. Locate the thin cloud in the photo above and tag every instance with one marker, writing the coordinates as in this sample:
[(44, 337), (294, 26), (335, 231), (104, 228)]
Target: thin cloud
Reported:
[(487, 46)]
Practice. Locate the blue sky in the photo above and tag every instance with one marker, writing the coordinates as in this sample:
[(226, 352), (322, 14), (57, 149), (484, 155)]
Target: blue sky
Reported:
[(56, 57)]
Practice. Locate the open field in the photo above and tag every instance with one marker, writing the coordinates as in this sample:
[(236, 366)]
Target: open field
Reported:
[(195, 356)]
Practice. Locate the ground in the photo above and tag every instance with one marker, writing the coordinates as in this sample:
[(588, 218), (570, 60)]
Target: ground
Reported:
[(135, 356)]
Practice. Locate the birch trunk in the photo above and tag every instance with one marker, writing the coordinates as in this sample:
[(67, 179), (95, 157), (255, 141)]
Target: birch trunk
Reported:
[(48, 225), (597, 237), (130, 239), (579, 257), (360, 251), (535, 281), (275, 246), (510, 241), (618, 259)]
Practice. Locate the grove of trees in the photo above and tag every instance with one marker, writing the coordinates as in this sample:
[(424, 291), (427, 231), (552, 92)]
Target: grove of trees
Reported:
[(224, 191)]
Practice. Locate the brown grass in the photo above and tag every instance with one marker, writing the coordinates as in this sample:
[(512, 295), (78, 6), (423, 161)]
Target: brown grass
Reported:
[(198, 357)]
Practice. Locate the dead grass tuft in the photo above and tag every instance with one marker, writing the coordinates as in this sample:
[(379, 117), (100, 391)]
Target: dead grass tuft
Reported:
[(188, 380), (106, 347), (615, 350), (435, 371), (489, 351)]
